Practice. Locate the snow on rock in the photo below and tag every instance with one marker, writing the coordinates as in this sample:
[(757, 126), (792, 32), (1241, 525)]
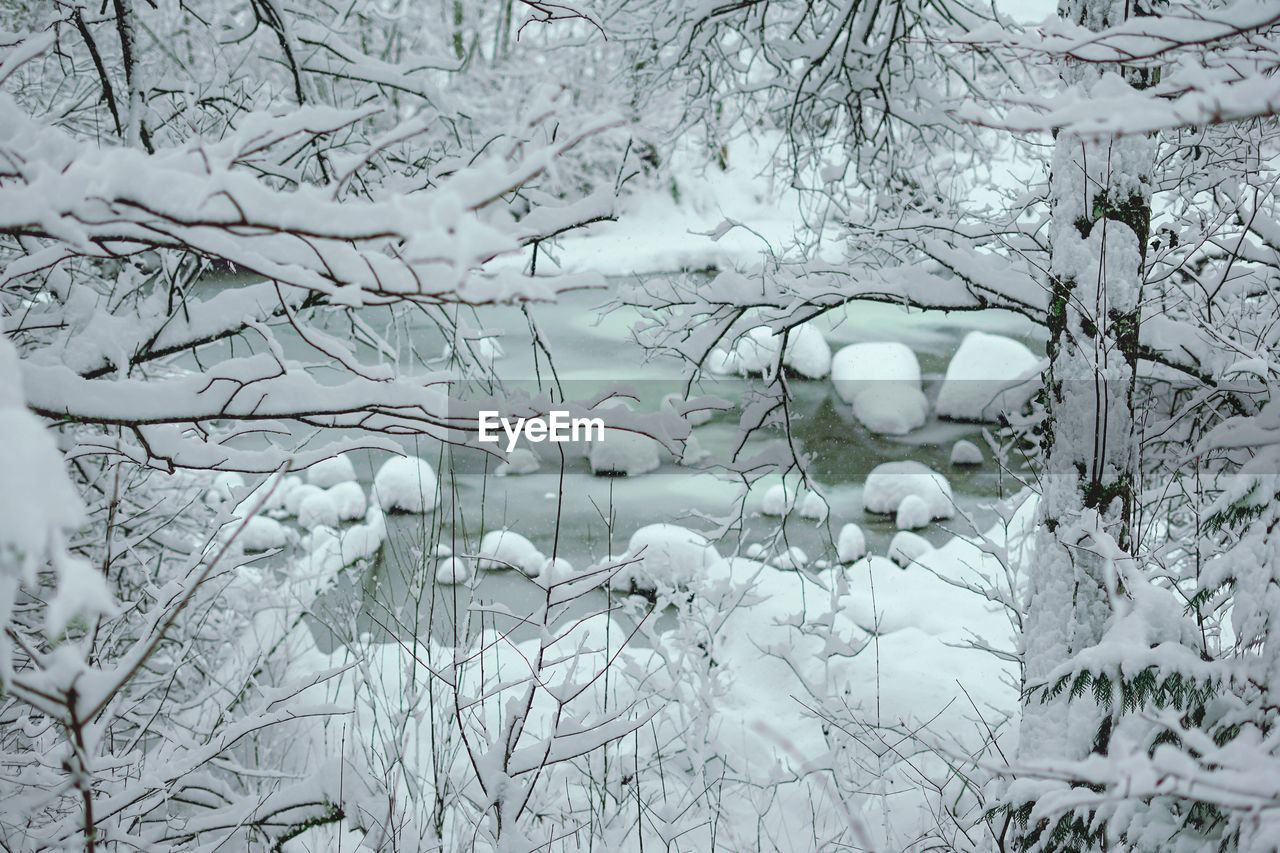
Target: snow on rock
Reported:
[(882, 383), (891, 409), (965, 452), (319, 509), (348, 499), (362, 541), (522, 460), (989, 375), (722, 362), (778, 500), (756, 352), (694, 453), (624, 453), (807, 352), (813, 506), (295, 496), (223, 488), (405, 484), (907, 547), (263, 534), (792, 558), (506, 549), (276, 503), (862, 367), (913, 513), (555, 571), (890, 482), (851, 544), (664, 556), (453, 570), (443, 550), (754, 550), (330, 472)]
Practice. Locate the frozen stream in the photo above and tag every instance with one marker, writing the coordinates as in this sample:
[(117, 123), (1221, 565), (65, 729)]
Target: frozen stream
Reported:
[(399, 594)]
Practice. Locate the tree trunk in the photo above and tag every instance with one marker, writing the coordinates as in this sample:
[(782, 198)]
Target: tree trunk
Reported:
[(1100, 201)]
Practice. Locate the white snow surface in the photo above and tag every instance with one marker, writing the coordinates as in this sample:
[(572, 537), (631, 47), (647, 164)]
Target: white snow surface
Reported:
[(851, 544), (263, 534), (913, 513), (330, 472), (808, 352), (294, 497), (881, 381), (988, 375), (319, 509), (907, 547), (965, 452), (778, 500), (624, 452), (405, 484), (506, 549), (522, 460), (453, 570), (666, 556), (348, 499), (890, 482)]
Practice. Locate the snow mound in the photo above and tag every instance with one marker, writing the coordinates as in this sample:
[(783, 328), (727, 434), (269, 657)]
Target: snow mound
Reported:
[(807, 353), (757, 351), (319, 509), (965, 452), (330, 472), (666, 556), (754, 550), (453, 570), (891, 409), (813, 506), (862, 367), (263, 534), (223, 488), (851, 544), (624, 453), (792, 558), (348, 499), (882, 383), (777, 500), (693, 453), (907, 547), (405, 484), (989, 375), (555, 571), (522, 460), (890, 482), (913, 513), (722, 362), (295, 496), (506, 549)]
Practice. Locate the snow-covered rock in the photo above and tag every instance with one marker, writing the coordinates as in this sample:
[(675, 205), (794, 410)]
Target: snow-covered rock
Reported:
[(348, 499), (860, 367), (851, 544), (891, 409), (813, 506), (907, 547), (453, 570), (913, 513), (624, 453), (664, 555), (881, 381), (522, 460), (694, 453), (263, 534), (318, 509), (965, 452), (443, 550), (754, 550), (223, 488), (792, 558), (890, 482), (555, 571), (506, 549), (721, 362), (989, 375), (293, 500), (778, 500), (330, 472), (807, 352), (756, 352), (405, 484)]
